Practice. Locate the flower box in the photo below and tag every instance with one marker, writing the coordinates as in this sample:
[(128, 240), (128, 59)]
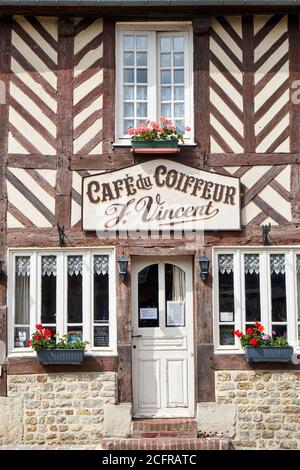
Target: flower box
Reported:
[(60, 356), (268, 353), (154, 144)]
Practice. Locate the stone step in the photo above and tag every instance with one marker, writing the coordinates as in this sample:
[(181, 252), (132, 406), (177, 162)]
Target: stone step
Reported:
[(168, 427), (166, 444)]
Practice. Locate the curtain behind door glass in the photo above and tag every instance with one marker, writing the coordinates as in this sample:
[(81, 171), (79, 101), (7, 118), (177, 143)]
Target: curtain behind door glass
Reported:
[(22, 301), (148, 296), (74, 289)]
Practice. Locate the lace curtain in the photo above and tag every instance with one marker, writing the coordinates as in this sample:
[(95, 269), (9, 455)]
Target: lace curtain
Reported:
[(74, 265), (101, 264), (251, 263), (225, 263), (23, 266), (49, 265), (277, 264)]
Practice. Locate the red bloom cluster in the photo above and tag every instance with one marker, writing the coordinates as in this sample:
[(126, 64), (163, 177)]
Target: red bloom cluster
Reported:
[(162, 130), (253, 335), (41, 334)]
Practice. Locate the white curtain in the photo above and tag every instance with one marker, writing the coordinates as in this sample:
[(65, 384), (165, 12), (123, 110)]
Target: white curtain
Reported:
[(22, 304), (178, 287)]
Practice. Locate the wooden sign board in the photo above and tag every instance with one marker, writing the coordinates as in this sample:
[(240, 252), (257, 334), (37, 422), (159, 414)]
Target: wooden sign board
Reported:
[(160, 195)]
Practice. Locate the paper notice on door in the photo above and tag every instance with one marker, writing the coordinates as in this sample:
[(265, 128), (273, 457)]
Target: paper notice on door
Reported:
[(226, 316), (148, 313), (175, 313)]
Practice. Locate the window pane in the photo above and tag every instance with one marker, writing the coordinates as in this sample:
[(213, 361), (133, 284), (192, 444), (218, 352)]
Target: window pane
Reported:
[(175, 295), (101, 283), (74, 289), (141, 58), (226, 287), (278, 288), (48, 286), (128, 93), (166, 93), (75, 332), (128, 75), (252, 287), (141, 42), (279, 330), (166, 110), (165, 76), (141, 93), (22, 301), (128, 42), (128, 109), (178, 93), (165, 43), (227, 335), (165, 60), (142, 110), (141, 75), (178, 59), (128, 123), (178, 110), (101, 336), (179, 124), (178, 43), (148, 296), (129, 58), (178, 76)]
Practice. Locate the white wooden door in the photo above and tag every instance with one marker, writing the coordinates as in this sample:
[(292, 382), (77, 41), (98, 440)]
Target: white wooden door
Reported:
[(163, 341)]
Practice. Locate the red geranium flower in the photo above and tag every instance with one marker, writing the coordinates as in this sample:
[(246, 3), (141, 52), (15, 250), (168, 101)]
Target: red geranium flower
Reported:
[(249, 331), (254, 342), (257, 324), (28, 344), (39, 327), (47, 333), (260, 328), (36, 337), (238, 333)]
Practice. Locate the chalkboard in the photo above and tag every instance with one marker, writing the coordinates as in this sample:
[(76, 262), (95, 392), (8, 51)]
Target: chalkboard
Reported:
[(101, 336)]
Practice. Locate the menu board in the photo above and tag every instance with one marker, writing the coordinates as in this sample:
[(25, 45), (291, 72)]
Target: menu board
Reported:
[(101, 336)]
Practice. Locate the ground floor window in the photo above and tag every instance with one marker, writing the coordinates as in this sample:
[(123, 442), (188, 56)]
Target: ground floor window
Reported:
[(68, 292), (256, 285)]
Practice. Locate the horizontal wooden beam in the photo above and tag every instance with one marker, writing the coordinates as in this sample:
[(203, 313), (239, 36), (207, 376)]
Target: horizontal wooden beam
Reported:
[(238, 362), (38, 162), (248, 159), (30, 365)]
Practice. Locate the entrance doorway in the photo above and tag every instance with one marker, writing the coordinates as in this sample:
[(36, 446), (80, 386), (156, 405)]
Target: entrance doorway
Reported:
[(163, 340)]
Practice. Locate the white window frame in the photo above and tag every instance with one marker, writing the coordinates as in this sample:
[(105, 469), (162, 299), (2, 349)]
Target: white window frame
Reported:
[(153, 29), (61, 293), (265, 292)]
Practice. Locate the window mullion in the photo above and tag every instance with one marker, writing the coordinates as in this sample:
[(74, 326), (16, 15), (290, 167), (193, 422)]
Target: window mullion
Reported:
[(291, 289), (265, 289), (87, 313), (152, 77), (237, 293), (33, 293), (60, 295)]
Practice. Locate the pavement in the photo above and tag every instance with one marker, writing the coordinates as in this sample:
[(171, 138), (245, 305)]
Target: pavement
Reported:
[(49, 447)]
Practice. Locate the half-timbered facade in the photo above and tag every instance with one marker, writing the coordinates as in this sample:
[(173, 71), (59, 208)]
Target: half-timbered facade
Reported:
[(73, 79)]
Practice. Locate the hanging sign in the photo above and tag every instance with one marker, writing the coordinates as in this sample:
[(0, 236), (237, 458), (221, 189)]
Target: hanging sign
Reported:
[(160, 195)]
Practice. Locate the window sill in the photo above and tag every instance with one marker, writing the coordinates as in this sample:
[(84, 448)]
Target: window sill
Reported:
[(125, 145)]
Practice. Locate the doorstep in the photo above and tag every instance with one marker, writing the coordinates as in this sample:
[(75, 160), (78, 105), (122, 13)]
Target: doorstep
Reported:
[(165, 434)]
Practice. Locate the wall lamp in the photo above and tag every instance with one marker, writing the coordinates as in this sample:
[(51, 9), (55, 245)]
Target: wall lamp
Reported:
[(204, 263), (123, 265), (1, 268)]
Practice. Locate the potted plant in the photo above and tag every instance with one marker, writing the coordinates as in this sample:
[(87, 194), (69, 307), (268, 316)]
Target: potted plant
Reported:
[(50, 350), (260, 347), (154, 135)]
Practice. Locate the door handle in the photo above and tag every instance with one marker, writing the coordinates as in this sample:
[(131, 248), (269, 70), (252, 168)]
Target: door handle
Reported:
[(136, 336)]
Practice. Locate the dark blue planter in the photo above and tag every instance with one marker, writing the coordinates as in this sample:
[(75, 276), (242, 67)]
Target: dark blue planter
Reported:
[(268, 353), (60, 356)]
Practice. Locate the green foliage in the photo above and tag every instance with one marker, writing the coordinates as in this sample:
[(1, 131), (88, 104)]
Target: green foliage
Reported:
[(43, 338)]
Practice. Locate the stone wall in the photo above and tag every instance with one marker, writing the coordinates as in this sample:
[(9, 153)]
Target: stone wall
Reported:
[(56, 408), (267, 413)]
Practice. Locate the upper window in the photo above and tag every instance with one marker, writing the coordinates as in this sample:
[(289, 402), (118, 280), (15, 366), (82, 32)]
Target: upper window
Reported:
[(67, 292), (256, 285), (154, 77)]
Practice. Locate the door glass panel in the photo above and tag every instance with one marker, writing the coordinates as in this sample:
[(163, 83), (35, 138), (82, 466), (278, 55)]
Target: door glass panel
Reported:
[(48, 281), (75, 296), (175, 295), (148, 297)]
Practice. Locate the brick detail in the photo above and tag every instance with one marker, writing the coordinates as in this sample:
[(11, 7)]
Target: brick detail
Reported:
[(152, 428), (166, 444)]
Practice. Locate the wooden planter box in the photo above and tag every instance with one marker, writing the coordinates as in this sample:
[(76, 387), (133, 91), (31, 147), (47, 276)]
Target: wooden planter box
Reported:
[(268, 354), (60, 356), (154, 147)]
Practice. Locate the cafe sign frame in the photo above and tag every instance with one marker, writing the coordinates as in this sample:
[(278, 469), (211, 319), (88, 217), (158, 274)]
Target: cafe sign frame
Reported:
[(160, 195)]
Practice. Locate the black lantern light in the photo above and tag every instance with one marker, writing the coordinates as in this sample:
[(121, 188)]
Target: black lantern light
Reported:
[(204, 262), (1, 268), (123, 264)]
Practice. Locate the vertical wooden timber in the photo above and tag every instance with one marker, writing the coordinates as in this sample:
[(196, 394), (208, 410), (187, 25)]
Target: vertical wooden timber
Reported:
[(5, 54), (294, 77), (204, 348), (124, 333), (64, 121), (201, 87), (248, 83), (109, 84)]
